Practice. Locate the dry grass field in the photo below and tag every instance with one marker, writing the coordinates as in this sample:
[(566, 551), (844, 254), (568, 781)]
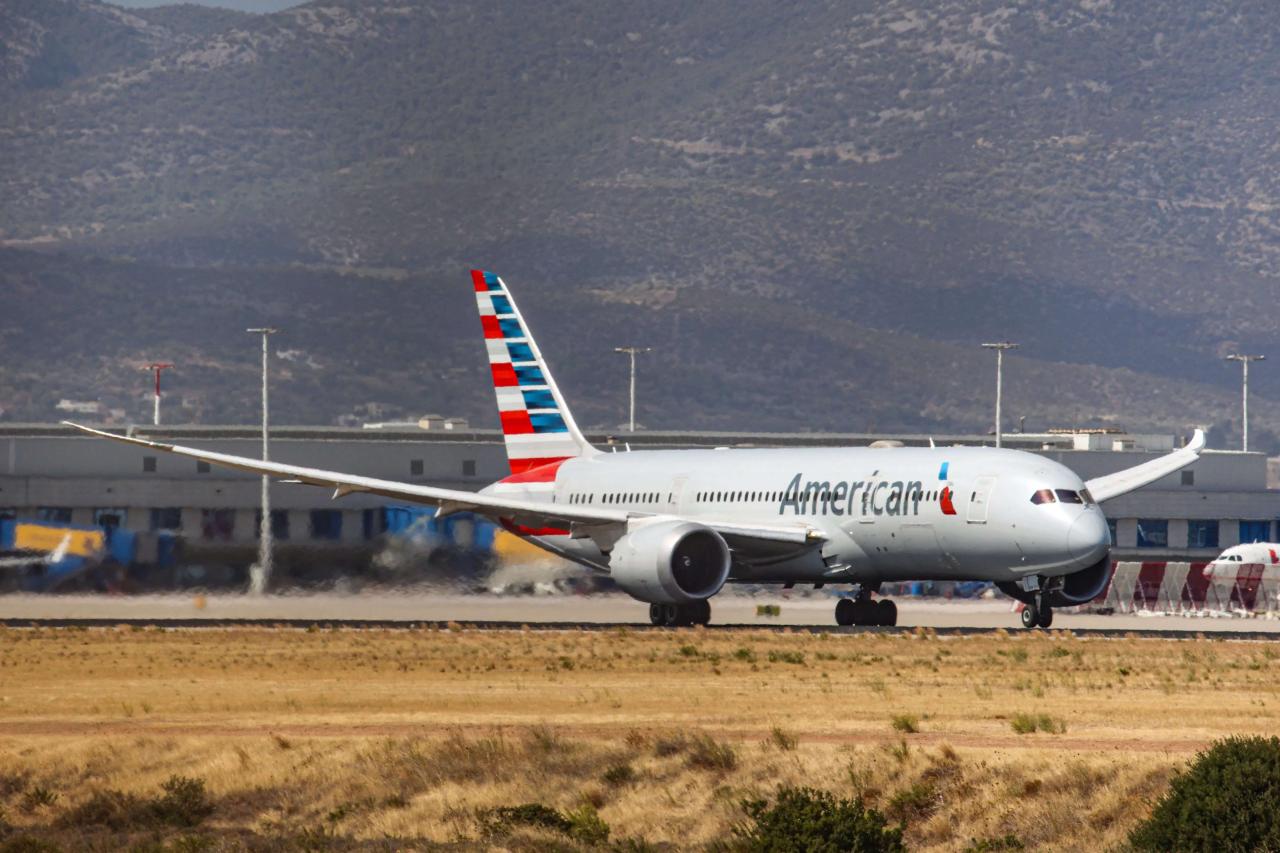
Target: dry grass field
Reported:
[(338, 739)]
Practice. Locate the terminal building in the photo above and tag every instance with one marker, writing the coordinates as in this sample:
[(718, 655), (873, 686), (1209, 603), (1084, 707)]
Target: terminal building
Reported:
[(50, 473)]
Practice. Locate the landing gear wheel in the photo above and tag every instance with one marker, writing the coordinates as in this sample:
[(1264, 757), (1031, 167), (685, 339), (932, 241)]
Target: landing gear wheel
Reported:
[(1030, 616), (657, 614), (864, 613), (672, 617), (886, 613), (846, 609), (701, 612), (1046, 617)]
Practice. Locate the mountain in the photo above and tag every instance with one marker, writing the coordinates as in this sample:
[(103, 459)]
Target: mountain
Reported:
[(814, 212)]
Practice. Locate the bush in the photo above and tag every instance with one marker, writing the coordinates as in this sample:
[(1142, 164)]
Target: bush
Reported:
[(115, 810), (586, 826), (804, 819), (526, 814), (905, 723), (183, 803), (706, 753), (1226, 800), (914, 803), (582, 824), (619, 774), (1025, 724)]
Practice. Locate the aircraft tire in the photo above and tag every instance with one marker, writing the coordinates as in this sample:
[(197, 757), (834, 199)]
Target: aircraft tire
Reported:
[(657, 614), (846, 610), (886, 613), (1046, 617), (701, 612), (1030, 616), (864, 613)]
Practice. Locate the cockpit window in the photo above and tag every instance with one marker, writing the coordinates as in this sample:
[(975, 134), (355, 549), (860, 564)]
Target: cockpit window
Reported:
[(1069, 497), (1088, 498), (1044, 496)]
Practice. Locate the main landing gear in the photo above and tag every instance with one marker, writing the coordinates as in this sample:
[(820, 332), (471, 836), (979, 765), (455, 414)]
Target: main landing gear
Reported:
[(861, 610), (680, 615), (1036, 615)]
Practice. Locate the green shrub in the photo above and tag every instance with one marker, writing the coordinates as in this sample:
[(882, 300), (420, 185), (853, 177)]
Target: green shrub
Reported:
[(582, 824), (586, 826), (805, 819), (994, 845), (783, 739), (706, 753), (1226, 800), (115, 810), (183, 803), (913, 803), (1025, 724), (504, 818), (905, 723), (619, 774)]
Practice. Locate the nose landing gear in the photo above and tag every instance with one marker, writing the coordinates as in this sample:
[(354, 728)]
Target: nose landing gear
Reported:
[(680, 615), (1037, 615)]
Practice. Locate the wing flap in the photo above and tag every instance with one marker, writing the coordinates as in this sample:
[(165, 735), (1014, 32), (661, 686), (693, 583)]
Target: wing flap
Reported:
[(1130, 479)]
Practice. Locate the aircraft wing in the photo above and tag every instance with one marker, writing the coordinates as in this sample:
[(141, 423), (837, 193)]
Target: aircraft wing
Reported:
[(1122, 482), (534, 514)]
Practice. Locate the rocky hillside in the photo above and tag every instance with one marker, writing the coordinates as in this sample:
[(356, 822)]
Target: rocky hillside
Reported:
[(814, 211)]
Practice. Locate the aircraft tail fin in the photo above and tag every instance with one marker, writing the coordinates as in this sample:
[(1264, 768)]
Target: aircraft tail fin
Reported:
[(537, 426)]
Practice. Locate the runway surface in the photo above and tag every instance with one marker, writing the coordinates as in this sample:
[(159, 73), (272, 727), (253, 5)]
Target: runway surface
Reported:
[(556, 611)]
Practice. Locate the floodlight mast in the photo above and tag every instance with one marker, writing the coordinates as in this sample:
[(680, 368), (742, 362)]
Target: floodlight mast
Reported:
[(632, 352), (157, 368), (260, 575), (1244, 394), (1000, 348)]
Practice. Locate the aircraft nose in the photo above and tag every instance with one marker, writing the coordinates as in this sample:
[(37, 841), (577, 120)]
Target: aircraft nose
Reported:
[(1088, 537)]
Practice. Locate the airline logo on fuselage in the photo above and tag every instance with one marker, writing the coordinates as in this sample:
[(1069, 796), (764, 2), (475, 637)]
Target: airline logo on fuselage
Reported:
[(853, 497)]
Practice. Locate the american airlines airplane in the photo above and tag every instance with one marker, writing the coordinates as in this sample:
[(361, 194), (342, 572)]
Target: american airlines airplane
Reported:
[(672, 527)]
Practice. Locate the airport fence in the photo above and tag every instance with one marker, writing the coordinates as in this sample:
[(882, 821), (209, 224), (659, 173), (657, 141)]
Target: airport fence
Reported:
[(1185, 589)]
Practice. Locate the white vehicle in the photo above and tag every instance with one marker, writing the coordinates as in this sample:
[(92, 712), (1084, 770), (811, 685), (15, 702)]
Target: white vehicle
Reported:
[(1227, 565), (672, 527)]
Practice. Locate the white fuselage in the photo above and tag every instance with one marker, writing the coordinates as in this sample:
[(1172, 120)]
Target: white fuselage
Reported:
[(887, 513), (1254, 556)]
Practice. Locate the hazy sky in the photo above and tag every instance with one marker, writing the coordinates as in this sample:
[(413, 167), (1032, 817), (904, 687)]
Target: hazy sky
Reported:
[(242, 5)]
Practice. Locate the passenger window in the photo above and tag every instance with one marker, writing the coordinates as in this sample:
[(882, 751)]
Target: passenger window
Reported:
[(1068, 497), (1043, 496)]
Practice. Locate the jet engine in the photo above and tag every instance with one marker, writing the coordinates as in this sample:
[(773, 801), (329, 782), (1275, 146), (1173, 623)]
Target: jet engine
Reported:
[(1081, 587), (1066, 590), (670, 562)]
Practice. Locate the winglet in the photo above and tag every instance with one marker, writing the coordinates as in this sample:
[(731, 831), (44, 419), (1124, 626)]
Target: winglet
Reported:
[(1130, 479)]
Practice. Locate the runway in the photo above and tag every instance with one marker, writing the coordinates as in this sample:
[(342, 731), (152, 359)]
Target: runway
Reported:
[(562, 612)]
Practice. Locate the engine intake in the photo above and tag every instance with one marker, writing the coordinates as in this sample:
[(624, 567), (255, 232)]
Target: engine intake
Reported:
[(670, 562)]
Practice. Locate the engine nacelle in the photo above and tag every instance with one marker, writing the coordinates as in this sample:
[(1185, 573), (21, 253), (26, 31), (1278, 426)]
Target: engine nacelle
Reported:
[(1083, 586), (670, 562), (1066, 590)]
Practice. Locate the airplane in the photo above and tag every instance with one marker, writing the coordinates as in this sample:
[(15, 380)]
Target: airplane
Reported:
[(1227, 565), (672, 527)]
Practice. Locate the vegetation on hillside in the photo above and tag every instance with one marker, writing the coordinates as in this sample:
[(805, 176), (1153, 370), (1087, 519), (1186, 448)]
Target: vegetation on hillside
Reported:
[(895, 182)]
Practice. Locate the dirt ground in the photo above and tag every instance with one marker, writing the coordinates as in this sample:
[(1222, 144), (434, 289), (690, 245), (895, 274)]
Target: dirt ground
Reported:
[(410, 738)]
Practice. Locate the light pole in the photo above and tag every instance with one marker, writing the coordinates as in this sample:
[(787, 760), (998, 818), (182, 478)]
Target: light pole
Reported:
[(633, 351), (999, 347), (260, 574), (157, 368), (1244, 394)]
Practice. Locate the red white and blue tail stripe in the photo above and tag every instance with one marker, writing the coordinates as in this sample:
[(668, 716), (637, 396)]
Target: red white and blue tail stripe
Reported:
[(536, 424)]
